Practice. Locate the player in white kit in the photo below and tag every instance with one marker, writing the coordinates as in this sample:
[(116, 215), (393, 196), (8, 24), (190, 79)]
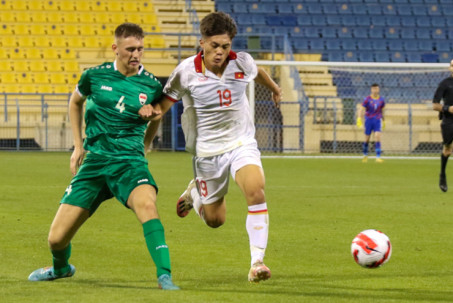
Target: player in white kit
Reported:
[(220, 132)]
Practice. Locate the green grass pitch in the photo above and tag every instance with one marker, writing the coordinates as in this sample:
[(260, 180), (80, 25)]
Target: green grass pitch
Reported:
[(316, 208)]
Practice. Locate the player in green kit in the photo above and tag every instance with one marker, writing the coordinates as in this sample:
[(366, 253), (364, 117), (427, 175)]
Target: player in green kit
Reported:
[(114, 165)]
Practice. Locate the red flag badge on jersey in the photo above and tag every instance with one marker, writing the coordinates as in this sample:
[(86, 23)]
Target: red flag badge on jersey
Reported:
[(239, 75), (142, 98)]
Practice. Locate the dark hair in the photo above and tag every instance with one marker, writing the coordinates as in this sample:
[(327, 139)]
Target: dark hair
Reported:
[(218, 23), (374, 85), (129, 29)]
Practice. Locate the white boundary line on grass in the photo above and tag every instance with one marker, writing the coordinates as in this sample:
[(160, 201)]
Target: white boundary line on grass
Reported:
[(349, 157)]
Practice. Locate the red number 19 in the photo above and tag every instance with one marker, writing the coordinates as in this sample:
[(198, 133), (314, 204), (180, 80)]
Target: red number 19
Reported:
[(224, 97), (203, 188)]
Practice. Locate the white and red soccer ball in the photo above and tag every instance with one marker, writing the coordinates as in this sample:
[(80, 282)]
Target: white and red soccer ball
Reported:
[(371, 248)]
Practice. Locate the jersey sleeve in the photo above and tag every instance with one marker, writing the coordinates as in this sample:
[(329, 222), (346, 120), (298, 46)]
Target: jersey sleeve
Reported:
[(175, 88), (247, 65), (365, 102), (439, 94), (84, 85)]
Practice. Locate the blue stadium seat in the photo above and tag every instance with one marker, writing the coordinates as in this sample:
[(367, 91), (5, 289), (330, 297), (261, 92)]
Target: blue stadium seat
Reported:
[(345, 9), (349, 44), (304, 20), (239, 43), (300, 44), (359, 9), (392, 20), (443, 46), (333, 20), (344, 32), (288, 20), (376, 33), (360, 33), (407, 21), (439, 34), (348, 20), (223, 7), (392, 33), (404, 10), (299, 8), (449, 22), (395, 45), (284, 8), (317, 44), (416, 1), (419, 10), (364, 45), (273, 20), (434, 10), (240, 8), (319, 20), (389, 10), (425, 45), (397, 57), (422, 33), (445, 57), (329, 9), (423, 21), (312, 32), (401, 1), (374, 9), (430, 58), (447, 10), (333, 44), (407, 80), (408, 33), (267, 8), (363, 21), (410, 45), (379, 45), (438, 21), (297, 32), (244, 19), (382, 57), (366, 57), (314, 8), (257, 19), (350, 56), (282, 30), (335, 57), (377, 20), (329, 32)]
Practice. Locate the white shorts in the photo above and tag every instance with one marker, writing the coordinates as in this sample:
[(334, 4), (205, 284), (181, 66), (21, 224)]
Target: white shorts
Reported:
[(213, 173)]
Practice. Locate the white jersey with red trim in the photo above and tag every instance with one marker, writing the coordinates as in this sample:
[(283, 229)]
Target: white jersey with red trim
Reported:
[(216, 116)]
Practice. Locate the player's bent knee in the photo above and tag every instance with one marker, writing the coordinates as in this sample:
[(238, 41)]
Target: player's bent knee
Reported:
[(256, 197), (57, 243), (215, 222)]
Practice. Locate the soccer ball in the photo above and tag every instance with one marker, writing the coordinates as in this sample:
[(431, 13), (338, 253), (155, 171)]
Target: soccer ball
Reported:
[(371, 248)]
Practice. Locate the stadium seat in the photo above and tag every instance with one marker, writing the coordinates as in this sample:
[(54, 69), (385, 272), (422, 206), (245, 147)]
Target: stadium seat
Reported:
[(345, 9), (22, 16), (376, 33), (6, 16), (21, 29), (32, 53), (67, 53), (23, 77), (392, 33), (389, 10), (335, 57), (410, 45), (392, 20), (70, 17), (37, 66), (301, 44), (59, 41), (35, 5), (57, 78), (364, 21), (328, 32), (366, 57), (344, 32), (40, 77), (54, 66), (41, 41), (360, 10), (273, 20), (304, 20), (38, 29), (350, 56), (311, 32), (382, 57), (373, 9), (5, 66), (50, 53), (8, 77), (422, 33), (317, 44), (430, 58), (397, 57), (314, 8), (425, 45), (360, 33), (99, 6), (348, 44), (319, 21), (379, 45), (17, 53), (408, 21), (423, 21), (300, 8), (284, 8), (443, 46), (333, 44), (329, 9), (364, 45), (257, 19), (20, 66), (37, 16), (438, 21), (419, 10), (54, 17), (264, 8), (395, 45), (407, 33), (404, 10), (333, 20), (439, 34), (348, 20)]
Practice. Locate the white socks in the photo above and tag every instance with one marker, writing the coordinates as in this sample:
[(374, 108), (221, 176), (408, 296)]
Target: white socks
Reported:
[(257, 226), (197, 206)]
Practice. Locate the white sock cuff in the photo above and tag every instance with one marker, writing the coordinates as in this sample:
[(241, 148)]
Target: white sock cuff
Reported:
[(258, 207)]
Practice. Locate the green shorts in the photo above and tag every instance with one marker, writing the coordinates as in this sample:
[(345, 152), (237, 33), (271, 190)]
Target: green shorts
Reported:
[(100, 179)]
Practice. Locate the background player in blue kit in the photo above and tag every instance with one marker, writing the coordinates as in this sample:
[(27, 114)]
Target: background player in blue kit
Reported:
[(373, 111)]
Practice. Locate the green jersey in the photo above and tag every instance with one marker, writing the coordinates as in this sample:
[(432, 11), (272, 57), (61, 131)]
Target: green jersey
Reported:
[(113, 126)]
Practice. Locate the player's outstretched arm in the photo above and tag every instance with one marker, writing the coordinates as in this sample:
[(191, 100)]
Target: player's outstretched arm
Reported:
[(360, 117), (158, 110), (263, 78), (76, 117)]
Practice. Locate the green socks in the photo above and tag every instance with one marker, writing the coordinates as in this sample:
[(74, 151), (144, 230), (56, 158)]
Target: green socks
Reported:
[(60, 260), (155, 241)]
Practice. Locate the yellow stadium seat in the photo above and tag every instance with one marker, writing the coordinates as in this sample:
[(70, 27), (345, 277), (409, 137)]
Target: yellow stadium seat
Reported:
[(61, 89), (70, 29), (99, 6), (23, 77), (102, 17), (115, 6), (54, 30), (50, 53), (17, 53), (4, 54), (5, 5), (106, 41), (54, 66), (20, 66), (40, 77), (67, 53), (42, 41), (57, 78), (58, 41), (6, 29), (6, 16), (157, 42), (149, 18), (91, 41), (19, 5), (86, 17), (37, 66), (83, 5), (71, 66), (35, 5), (8, 41), (117, 17), (5, 65), (76, 41), (45, 89), (66, 5), (22, 16), (54, 17), (142, 6), (38, 17), (25, 41), (132, 18), (104, 29), (69, 17), (50, 5), (32, 53), (21, 29), (72, 78), (8, 77), (38, 29), (28, 88), (87, 30)]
